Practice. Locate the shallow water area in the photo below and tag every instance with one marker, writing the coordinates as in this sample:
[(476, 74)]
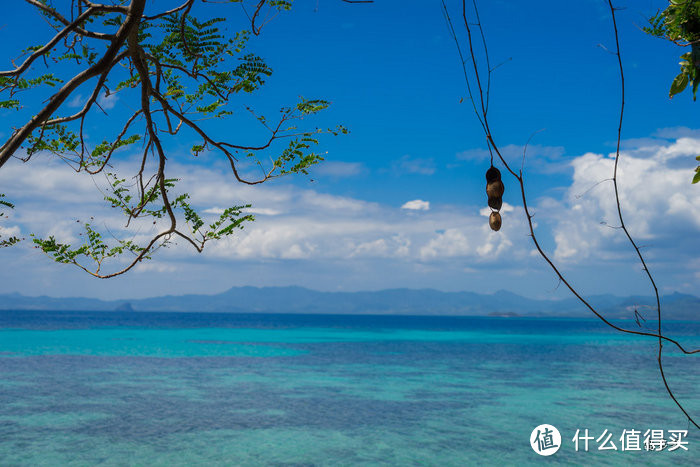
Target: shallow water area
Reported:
[(186, 388)]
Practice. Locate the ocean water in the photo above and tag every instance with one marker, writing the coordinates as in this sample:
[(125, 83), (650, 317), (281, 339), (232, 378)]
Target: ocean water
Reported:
[(297, 390)]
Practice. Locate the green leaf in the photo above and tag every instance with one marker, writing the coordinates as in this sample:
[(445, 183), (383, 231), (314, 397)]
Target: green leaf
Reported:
[(9, 104), (678, 85), (12, 206), (696, 178)]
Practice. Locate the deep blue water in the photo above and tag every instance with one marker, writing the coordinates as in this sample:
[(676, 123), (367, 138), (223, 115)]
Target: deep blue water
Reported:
[(229, 389)]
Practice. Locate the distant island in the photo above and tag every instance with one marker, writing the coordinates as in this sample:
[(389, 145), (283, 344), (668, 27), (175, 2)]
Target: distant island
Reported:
[(392, 302)]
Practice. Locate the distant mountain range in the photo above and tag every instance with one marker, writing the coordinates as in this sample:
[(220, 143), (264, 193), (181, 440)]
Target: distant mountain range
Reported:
[(395, 301)]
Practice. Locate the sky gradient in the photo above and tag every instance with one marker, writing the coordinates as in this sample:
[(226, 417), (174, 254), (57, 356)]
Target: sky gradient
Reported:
[(400, 201)]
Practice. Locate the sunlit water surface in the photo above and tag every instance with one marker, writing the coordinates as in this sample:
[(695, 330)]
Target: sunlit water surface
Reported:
[(227, 389)]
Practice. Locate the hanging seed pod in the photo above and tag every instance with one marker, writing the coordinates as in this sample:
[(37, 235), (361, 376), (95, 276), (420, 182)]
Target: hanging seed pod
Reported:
[(495, 221), (495, 189), (493, 174)]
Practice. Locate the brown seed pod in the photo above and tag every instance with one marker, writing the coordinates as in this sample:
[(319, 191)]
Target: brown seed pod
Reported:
[(493, 174), (495, 221), (495, 189), (495, 202)]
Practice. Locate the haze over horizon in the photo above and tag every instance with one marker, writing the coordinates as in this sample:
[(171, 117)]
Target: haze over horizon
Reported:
[(406, 302)]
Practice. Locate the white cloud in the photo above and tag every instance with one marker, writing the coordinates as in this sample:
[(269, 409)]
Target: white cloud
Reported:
[(416, 205), (330, 233), (9, 231), (678, 132), (338, 169), (292, 223), (263, 211), (450, 243), (105, 101), (77, 101), (486, 212), (658, 202), (215, 210), (158, 266), (413, 165)]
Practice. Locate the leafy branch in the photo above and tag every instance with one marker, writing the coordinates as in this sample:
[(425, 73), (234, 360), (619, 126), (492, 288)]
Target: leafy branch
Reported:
[(680, 24), (181, 71)]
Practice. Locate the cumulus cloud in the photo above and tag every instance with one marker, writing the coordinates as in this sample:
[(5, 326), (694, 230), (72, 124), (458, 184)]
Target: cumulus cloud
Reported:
[(291, 223), (659, 205), (449, 243), (322, 230), (416, 205), (9, 231)]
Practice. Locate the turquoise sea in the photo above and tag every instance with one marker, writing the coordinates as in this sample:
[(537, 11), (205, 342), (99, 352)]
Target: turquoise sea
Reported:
[(299, 390)]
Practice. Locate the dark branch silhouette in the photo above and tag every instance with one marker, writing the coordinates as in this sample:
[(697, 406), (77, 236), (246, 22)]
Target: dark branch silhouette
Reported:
[(479, 100)]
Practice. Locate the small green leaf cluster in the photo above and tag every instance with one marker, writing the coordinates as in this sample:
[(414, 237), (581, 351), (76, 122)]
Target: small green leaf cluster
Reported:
[(56, 138), (199, 50), (99, 155), (680, 23), (13, 85), (120, 196), (93, 247), (281, 5), (228, 221), (5, 242), (690, 73), (295, 158)]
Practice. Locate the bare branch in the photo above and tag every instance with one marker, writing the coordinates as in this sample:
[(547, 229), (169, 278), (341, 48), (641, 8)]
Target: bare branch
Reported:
[(169, 12), (93, 97), (49, 45), (60, 18)]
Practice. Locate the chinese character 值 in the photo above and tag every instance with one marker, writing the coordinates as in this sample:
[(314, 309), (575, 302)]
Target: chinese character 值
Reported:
[(630, 440), (545, 440)]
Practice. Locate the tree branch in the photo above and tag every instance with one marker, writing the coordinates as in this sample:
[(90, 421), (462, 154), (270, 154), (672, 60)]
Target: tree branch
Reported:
[(18, 138)]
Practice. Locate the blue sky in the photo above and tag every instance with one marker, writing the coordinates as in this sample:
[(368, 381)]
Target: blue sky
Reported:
[(400, 201)]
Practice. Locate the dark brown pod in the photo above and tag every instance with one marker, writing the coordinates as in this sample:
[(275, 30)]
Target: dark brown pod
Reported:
[(495, 189), (495, 202), (493, 174), (495, 221)]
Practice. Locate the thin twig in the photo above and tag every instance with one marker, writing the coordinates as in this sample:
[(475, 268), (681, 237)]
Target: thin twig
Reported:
[(483, 119)]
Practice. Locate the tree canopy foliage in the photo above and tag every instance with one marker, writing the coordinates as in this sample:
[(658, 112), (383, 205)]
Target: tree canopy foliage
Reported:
[(178, 68), (680, 24)]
